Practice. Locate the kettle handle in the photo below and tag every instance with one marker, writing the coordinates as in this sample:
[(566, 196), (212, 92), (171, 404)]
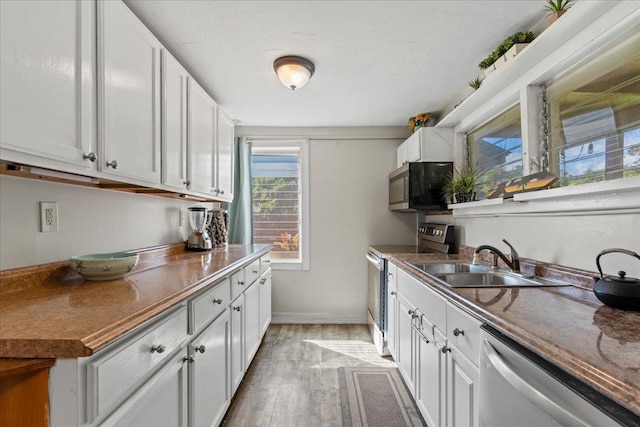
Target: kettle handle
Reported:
[(608, 251)]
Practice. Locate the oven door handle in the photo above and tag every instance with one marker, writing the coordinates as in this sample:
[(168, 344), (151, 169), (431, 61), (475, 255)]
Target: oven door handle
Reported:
[(374, 261), (535, 396)]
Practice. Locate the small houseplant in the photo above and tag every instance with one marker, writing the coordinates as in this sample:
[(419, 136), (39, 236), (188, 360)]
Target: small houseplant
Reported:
[(475, 84), (518, 38), (556, 9), (462, 185)]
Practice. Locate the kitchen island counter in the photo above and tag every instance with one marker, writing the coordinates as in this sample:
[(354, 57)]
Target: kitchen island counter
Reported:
[(568, 326), (50, 311)]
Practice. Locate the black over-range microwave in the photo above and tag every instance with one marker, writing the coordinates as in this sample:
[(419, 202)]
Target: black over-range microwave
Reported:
[(419, 186)]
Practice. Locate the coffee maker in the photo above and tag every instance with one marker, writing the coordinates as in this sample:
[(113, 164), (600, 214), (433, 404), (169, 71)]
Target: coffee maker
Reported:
[(199, 219)]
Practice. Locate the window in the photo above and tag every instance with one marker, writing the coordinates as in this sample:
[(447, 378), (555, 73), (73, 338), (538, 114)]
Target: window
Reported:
[(280, 200), (594, 115), (495, 149)]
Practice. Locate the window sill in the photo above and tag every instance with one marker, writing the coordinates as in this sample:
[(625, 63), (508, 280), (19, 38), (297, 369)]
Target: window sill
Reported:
[(620, 195), (299, 266)]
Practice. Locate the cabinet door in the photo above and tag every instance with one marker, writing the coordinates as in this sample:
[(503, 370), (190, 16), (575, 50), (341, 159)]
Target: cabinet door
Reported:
[(413, 148), (209, 373), (402, 154), (202, 138), (174, 122), (265, 301), (161, 401), (405, 347), (237, 342), (462, 382), (431, 381), (251, 322), (129, 94), (224, 183), (47, 89), (392, 309)]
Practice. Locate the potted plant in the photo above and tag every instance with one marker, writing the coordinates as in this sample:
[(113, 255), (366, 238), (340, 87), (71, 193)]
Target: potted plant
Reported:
[(498, 57), (462, 184), (556, 9), (475, 84)]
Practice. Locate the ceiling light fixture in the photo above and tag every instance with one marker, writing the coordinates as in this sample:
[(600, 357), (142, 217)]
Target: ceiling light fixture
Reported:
[(293, 71)]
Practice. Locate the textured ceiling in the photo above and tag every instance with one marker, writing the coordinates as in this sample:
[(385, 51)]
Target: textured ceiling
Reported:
[(377, 62)]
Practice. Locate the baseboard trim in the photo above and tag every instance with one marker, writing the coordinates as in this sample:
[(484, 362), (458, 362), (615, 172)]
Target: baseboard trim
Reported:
[(319, 318)]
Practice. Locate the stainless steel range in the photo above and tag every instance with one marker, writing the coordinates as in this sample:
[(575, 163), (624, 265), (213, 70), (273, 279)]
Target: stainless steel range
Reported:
[(432, 238)]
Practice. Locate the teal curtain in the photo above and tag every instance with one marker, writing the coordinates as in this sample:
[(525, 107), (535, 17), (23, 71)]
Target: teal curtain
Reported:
[(241, 210)]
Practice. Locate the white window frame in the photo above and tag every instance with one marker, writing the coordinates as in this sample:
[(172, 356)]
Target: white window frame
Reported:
[(303, 146), (584, 33)]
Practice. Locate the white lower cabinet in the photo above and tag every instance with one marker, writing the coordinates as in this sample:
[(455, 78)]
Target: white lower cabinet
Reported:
[(405, 353), (392, 309), (237, 342), (209, 367), (431, 378), (252, 328), (265, 301), (462, 390), (162, 401)]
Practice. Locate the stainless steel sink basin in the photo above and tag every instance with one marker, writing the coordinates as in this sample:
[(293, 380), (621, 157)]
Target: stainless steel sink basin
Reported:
[(493, 279), (448, 267)]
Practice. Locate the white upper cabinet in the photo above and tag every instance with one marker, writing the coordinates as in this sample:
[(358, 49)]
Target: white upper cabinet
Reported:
[(174, 122), (202, 139), (47, 91), (226, 129), (129, 94), (427, 144)]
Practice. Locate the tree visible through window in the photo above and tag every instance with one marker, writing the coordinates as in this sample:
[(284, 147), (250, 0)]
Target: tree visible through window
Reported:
[(276, 202)]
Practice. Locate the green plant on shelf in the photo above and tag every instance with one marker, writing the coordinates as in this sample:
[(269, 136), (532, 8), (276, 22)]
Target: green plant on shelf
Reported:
[(475, 84), (519, 37), (557, 6)]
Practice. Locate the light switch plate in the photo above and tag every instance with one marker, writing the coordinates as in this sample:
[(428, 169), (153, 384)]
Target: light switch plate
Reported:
[(48, 217)]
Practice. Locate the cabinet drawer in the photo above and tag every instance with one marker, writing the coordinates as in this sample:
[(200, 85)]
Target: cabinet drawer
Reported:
[(463, 331), (424, 299), (265, 262), (209, 305), (252, 271), (238, 283), (114, 376)]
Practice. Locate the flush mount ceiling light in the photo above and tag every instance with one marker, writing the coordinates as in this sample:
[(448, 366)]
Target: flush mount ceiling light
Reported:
[(293, 71)]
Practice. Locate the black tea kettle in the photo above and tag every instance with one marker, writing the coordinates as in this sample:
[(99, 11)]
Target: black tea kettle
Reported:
[(620, 292)]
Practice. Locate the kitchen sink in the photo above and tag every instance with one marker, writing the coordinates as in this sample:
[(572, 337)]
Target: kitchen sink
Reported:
[(448, 267), (463, 274), (493, 279)]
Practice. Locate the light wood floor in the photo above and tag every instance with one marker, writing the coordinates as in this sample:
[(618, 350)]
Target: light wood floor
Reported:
[(293, 379)]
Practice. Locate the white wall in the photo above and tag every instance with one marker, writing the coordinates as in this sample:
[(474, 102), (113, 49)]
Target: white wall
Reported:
[(348, 212), (90, 221), (572, 240)]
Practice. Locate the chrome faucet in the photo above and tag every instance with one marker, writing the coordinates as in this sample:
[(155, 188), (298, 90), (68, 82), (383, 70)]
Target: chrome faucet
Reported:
[(513, 262)]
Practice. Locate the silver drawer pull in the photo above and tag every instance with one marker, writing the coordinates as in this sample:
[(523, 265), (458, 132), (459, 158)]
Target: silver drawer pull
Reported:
[(458, 332), (90, 156), (189, 359), (263, 280), (158, 348), (217, 301), (237, 308), (445, 350), (255, 271), (394, 293), (112, 164), (200, 348), (267, 261), (390, 274), (241, 282)]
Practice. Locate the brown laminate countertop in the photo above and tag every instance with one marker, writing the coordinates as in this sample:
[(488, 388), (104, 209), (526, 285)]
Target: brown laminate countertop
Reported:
[(61, 315), (568, 326)]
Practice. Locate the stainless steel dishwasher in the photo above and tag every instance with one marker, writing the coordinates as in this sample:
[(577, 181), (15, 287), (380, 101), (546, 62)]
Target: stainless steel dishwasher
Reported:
[(518, 388)]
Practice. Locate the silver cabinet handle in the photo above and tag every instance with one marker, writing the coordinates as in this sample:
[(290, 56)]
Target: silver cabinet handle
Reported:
[(189, 359), (217, 301), (187, 182), (458, 332), (221, 191), (254, 271), (390, 274), (393, 293), (90, 156), (112, 164), (413, 314), (445, 350), (200, 348), (240, 282), (267, 261), (158, 348), (263, 280), (237, 308)]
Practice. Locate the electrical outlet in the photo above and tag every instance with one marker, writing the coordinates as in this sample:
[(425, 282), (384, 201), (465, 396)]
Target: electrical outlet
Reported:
[(181, 222), (48, 216)]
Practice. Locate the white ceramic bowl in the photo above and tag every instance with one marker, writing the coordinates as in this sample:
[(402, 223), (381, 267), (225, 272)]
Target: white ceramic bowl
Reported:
[(101, 267)]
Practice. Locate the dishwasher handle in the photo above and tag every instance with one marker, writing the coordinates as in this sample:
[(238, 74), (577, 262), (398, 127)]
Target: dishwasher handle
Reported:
[(531, 393), (373, 260)]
